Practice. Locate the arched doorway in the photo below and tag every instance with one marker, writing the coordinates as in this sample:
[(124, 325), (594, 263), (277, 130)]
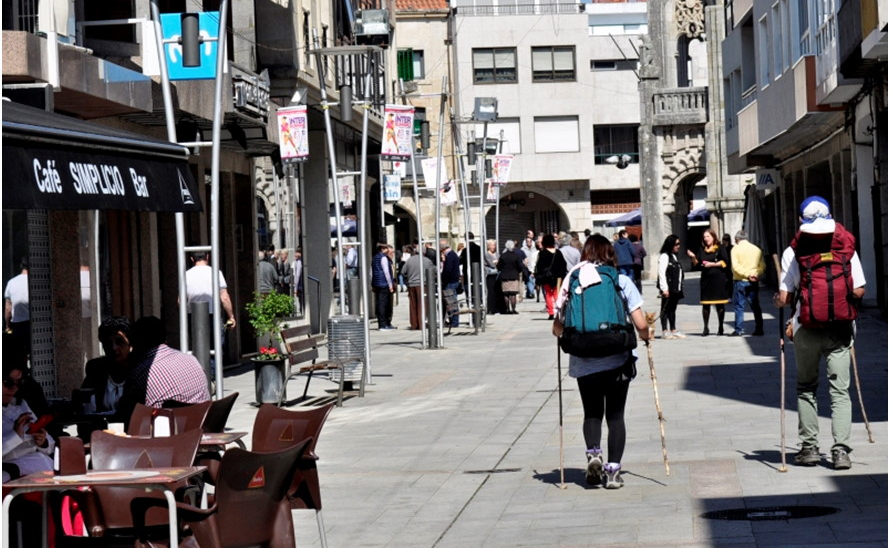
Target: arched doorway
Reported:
[(521, 210)]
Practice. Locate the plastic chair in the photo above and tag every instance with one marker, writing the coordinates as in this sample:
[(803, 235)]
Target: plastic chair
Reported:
[(218, 414), (107, 509), (275, 429), (185, 418), (250, 506)]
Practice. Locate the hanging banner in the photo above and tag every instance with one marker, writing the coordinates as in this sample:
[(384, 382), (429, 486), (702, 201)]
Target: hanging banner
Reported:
[(293, 134), (500, 171), (448, 193), (347, 194), (491, 196), (429, 167), (398, 130), (392, 188), (400, 169)]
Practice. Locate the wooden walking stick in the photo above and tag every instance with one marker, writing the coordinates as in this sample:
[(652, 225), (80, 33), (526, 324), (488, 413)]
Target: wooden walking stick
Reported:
[(562, 477), (782, 468), (664, 453), (871, 438)]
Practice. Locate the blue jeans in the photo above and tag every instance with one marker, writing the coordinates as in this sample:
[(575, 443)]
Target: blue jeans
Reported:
[(530, 286), (627, 270), (743, 292), (455, 319)]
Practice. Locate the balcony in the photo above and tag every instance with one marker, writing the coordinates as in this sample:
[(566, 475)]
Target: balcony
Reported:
[(517, 9), (857, 21), (680, 106)]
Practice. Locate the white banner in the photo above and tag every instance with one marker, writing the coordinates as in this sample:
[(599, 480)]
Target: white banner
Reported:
[(448, 193), (500, 171), (398, 132), (392, 187), (293, 134), (429, 167)]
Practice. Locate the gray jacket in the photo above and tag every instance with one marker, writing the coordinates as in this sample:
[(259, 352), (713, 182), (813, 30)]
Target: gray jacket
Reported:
[(411, 269)]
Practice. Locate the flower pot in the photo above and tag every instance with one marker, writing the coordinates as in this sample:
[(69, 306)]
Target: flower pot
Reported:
[(269, 377)]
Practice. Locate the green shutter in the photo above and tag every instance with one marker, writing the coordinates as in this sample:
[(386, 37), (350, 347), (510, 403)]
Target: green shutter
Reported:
[(405, 60)]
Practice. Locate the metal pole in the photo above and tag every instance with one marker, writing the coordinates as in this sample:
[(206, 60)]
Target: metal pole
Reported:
[(221, 59), (362, 230), (439, 166), (332, 160), (171, 136)]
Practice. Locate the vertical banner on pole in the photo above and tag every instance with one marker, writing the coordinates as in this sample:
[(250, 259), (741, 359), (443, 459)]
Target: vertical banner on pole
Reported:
[(430, 166), (392, 187), (500, 171), (293, 134), (448, 193), (492, 193), (398, 132)]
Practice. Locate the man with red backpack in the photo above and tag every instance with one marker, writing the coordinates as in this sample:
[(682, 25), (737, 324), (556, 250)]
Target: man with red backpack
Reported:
[(823, 277)]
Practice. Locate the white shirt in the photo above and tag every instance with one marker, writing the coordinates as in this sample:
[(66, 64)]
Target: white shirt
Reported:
[(17, 293), (199, 285), (21, 450), (531, 253)]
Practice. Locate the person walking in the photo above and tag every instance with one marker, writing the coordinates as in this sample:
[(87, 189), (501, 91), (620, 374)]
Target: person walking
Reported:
[(199, 288), (411, 268), (747, 268), (603, 382), (267, 275), (712, 260), (549, 270), (639, 254), (510, 268), (530, 248), (670, 286), (383, 286), (823, 325), (624, 255), (491, 276), (17, 311)]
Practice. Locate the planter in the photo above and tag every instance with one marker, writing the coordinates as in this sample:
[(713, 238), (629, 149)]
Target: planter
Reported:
[(269, 377)]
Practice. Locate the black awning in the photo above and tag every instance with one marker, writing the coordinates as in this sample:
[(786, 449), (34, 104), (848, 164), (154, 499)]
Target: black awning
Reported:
[(52, 161)]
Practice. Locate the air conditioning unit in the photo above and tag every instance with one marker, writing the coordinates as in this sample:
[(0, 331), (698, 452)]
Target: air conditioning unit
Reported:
[(372, 28)]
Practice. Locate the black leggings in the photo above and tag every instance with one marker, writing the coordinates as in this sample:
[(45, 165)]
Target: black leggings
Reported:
[(604, 394), (669, 311), (706, 315)]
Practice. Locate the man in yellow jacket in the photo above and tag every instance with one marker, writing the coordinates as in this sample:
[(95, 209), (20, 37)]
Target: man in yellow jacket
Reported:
[(747, 268)]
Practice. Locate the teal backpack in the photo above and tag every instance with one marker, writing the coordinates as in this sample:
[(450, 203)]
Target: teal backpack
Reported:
[(596, 320)]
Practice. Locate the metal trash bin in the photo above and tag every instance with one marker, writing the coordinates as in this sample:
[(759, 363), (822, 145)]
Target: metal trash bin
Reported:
[(346, 343)]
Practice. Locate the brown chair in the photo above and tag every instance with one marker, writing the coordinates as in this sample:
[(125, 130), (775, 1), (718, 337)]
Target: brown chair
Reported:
[(110, 506), (185, 418), (218, 414), (275, 429), (250, 506)]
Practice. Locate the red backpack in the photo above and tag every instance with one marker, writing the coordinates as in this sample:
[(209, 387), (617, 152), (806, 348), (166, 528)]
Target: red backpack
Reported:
[(826, 281)]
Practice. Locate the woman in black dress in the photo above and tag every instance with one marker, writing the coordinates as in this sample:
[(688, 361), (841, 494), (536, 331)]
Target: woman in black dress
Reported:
[(510, 268), (712, 259)]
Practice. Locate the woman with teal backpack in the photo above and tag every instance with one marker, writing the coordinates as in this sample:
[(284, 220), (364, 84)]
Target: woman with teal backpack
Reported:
[(602, 381)]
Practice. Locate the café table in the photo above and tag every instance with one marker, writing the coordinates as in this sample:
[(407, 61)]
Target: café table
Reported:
[(159, 479), (213, 440)]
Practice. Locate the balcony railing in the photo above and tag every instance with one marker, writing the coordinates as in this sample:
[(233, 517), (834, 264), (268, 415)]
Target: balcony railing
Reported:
[(680, 106), (518, 9)]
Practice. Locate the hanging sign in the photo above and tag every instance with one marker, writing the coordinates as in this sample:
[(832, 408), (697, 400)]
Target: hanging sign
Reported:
[(398, 130), (293, 134), (430, 167), (491, 196), (500, 171), (208, 30), (346, 188), (392, 187), (400, 169), (448, 193)]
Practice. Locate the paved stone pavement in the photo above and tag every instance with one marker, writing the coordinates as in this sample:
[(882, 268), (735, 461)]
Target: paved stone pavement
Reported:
[(460, 447)]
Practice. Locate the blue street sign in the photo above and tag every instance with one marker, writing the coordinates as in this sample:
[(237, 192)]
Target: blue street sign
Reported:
[(208, 28)]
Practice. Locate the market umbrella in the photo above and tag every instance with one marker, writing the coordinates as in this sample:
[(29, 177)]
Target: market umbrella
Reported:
[(753, 223)]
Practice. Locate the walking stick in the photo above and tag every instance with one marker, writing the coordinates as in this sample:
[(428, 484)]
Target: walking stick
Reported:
[(664, 453), (782, 468), (562, 477), (871, 438)]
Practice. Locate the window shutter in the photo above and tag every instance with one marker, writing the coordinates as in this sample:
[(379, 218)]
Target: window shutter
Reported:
[(405, 62)]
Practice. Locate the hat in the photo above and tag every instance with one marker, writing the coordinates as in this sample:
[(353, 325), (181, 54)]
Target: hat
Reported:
[(815, 216)]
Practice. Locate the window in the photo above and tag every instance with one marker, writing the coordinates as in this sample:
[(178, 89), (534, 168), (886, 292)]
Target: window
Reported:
[(775, 27), (494, 65), (506, 130), (615, 140), (763, 52), (556, 134), (553, 64), (307, 46), (417, 62), (628, 28), (615, 64), (405, 64)]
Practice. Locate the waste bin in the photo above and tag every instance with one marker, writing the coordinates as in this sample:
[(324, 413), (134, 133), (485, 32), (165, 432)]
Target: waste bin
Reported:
[(346, 343)]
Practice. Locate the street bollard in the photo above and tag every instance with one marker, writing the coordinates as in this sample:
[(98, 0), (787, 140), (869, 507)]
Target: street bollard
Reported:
[(431, 312), (354, 295), (199, 318), (477, 298)]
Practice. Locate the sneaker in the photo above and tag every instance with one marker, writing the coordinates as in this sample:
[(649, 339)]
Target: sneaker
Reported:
[(841, 459), (679, 335), (594, 473), (737, 334), (612, 476), (808, 456), (667, 335)]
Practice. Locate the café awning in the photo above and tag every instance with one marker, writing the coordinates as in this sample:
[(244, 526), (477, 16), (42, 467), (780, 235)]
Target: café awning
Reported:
[(51, 161), (631, 218)]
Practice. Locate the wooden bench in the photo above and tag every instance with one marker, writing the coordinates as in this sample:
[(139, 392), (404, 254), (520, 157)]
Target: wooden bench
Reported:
[(453, 306), (303, 358)]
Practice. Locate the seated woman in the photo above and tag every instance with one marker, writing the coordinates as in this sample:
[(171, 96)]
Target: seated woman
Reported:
[(23, 452), (106, 375)]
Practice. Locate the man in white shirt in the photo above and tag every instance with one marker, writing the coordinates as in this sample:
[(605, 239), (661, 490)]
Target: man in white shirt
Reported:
[(531, 258), (17, 312), (199, 289)]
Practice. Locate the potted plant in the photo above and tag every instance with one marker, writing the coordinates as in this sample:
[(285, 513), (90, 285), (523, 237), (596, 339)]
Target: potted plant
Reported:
[(266, 314)]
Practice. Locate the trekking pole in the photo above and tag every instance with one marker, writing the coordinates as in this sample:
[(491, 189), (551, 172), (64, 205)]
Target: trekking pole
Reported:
[(871, 438), (664, 453), (562, 477), (782, 468)]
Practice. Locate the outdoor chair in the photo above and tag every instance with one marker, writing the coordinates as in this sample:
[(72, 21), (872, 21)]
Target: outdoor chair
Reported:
[(250, 505), (184, 418), (218, 414), (106, 510), (275, 429)]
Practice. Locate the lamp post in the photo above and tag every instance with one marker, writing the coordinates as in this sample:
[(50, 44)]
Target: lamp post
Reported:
[(485, 110)]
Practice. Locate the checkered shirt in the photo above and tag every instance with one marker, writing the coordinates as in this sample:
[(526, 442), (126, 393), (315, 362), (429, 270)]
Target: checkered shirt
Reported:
[(168, 374)]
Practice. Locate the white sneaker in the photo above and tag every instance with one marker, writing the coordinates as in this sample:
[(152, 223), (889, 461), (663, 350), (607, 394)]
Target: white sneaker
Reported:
[(678, 335), (612, 476), (594, 473)]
